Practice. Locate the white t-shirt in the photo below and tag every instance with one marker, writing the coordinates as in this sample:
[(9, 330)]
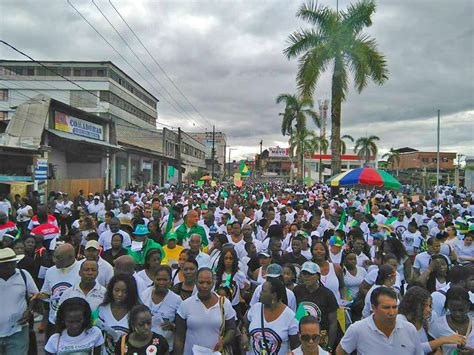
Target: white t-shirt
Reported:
[(105, 239), (353, 282), (167, 308), (277, 332), (440, 328), (371, 277), (238, 282), (299, 351), (84, 343), (200, 332), (22, 213), (114, 328), (57, 281), (422, 261), (410, 240), (289, 295)]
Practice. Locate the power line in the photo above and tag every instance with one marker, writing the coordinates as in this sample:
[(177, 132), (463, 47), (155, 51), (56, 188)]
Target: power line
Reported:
[(121, 56), (146, 67), (158, 64)]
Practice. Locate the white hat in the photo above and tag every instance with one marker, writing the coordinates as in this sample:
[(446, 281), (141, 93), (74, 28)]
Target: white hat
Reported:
[(7, 255), (92, 244), (438, 215)]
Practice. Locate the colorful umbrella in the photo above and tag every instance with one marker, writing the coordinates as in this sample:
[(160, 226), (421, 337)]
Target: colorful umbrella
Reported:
[(206, 178), (365, 176)]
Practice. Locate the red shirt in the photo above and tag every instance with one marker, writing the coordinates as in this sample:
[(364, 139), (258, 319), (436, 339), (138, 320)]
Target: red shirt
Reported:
[(47, 231)]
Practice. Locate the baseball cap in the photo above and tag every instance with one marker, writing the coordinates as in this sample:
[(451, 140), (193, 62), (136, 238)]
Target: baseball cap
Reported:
[(437, 215), (274, 270), (171, 235), (310, 267), (92, 244), (335, 240), (141, 229), (264, 253)]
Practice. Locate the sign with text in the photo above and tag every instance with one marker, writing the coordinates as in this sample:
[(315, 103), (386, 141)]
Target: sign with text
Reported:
[(70, 124), (41, 169), (278, 152)]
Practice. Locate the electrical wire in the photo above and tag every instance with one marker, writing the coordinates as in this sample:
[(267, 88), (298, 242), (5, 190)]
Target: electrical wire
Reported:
[(146, 67), (158, 64)]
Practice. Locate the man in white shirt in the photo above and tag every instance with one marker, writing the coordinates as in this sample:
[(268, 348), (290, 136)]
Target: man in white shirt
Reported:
[(15, 286), (106, 271), (88, 288), (195, 244), (96, 206), (58, 279), (379, 218), (422, 260), (382, 332), (105, 238)]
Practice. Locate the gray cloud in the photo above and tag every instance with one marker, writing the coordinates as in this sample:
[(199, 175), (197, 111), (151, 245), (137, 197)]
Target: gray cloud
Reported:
[(227, 58)]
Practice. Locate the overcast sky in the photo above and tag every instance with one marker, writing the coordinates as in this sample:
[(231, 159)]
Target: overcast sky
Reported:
[(226, 56)]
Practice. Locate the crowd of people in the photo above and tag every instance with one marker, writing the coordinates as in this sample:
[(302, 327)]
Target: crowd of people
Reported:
[(261, 269)]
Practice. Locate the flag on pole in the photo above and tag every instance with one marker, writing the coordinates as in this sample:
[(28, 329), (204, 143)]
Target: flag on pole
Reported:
[(342, 222), (244, 170), (169, 225)]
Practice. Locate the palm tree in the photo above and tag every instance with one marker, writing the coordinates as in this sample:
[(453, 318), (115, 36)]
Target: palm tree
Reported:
[(320, 144), (393, 158), (297, 110), (343, 143), (301, 142), (336, 41), (365, 147)]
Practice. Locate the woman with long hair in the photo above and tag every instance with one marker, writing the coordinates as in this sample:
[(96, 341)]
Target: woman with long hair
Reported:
[(415, 308), (290, 276), (227, 272), (405, 266), (331, 274), (353, 274), (121, 296), (177, 274), (386, 277), (74, 329), (436, 276)]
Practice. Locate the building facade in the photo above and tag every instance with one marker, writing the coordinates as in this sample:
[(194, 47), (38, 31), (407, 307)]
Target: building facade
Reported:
[(220, 145)]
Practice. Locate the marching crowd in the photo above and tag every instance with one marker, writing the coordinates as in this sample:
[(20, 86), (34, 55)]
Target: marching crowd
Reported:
[(262, 269)]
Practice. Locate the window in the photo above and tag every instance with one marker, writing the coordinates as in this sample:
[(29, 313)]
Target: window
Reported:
[(64, 71), (77, 72), (3, 115), (30, 71), (88, 72), (3, 94), (100, 72), (445, 160), (425, 160)]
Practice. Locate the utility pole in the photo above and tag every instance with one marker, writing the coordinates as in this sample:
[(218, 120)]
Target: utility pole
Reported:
[(225, 155), (213, 152), (437, 150), (179, 157)]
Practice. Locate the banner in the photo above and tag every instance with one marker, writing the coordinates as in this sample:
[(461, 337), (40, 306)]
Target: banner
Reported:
[(41, 169), (278, 152), (70, 124)]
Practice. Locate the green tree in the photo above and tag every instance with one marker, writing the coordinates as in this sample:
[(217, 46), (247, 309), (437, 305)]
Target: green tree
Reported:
[(393, 159), (343, 143), (301, 142), (336, 41), (365, 147), (297, 111)]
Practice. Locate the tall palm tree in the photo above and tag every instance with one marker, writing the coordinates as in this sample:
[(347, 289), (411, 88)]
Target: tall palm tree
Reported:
[(297, 110), (301, 142), (321, 145), (336, 41), (393, 158), (365, 147), (343, 143)]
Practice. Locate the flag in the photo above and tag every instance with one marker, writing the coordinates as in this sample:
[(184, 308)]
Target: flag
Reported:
[(390, 220), (244, 170), (169, 225), (342, 222), (300, 312), (461, 227), (367, 208)]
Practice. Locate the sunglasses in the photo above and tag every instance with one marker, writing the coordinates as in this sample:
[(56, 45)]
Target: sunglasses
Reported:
[(307, 337)]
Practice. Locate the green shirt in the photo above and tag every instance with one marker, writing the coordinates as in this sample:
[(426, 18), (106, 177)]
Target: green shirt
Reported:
[(183, 233), (139, 256)]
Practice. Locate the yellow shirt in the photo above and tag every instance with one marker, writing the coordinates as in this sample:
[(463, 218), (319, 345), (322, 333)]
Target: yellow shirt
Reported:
[(172, 254)]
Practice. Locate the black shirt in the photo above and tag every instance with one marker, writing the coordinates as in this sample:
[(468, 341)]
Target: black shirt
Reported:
[(178, 289), (322, 297), (157, 345), (110, 258), (291, 258)]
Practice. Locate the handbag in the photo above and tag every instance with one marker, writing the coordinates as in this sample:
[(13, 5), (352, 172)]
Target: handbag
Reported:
[(265, 350), (227, 350)]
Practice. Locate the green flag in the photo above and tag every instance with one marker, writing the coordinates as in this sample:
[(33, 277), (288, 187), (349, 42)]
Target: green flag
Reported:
[(300, 312), (342, 222), (169, 225), (390, 220), (367, 208)]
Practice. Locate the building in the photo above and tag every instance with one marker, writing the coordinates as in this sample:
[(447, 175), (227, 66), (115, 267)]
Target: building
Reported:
[(220, 145), (421, 160), (103, 89), (56, 147)]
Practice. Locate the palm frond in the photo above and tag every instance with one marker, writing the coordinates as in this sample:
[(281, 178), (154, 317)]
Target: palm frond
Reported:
[(301, 41), (319, 16), (357, 16)]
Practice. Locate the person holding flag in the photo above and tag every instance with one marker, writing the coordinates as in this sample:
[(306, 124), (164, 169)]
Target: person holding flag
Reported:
[(190, 227)]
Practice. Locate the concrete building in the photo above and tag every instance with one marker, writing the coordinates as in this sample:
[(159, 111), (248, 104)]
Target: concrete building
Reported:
[(419, 160), (105, 91), (220, 144)]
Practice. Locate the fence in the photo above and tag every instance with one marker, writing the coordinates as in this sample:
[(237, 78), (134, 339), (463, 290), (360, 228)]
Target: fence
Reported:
[(72, 186)]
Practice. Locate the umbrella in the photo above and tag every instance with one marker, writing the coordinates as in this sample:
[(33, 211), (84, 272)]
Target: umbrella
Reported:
[(206, 178), (365, 176)]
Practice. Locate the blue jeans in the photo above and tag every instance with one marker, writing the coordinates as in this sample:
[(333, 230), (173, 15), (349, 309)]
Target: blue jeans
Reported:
[(15, 344)]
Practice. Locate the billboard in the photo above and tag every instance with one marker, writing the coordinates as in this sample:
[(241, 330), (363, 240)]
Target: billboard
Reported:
[(278, 152), (70, 124)]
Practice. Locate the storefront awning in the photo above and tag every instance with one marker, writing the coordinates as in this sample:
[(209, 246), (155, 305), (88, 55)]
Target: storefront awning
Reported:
[(73, 137)]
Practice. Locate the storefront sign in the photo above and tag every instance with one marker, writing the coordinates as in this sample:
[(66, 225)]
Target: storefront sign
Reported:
[(70, 124), (41, 169), (278, 152)]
